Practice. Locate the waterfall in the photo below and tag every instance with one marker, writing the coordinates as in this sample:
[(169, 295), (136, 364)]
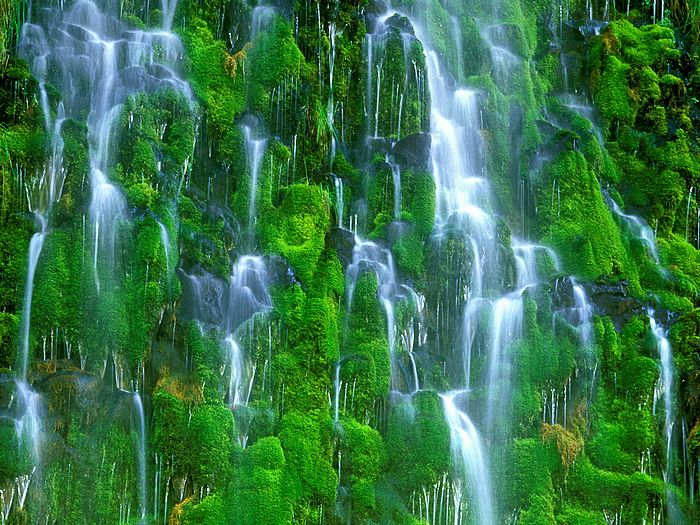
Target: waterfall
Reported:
[(664, 388), (468, 453), (339, 200), (168, 9), (504, 60), (248, 295), (165, 240), (336, 388), (262, 18), (96, 61), (35, 246), (639, 229), (140, 424), (255, 150), (95, 51), (396, 177), (369, 256), (28, 426)]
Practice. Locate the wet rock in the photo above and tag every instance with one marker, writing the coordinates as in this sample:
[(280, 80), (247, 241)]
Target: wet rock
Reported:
[(281, 274), (613, 300), (343, 241), (379, 145), (400, 23), (413, 151)]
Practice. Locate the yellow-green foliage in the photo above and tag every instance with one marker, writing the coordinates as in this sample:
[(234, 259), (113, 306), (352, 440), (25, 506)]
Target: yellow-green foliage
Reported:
[(366, 346), (222, 95), (628, 57), (530, 463), (210, 442), (684, 263), (273, 58), (542, 360), (363, 460), (310, 347), (623, 426), (601, 490), (210, 511), (579, 225), (297, 229), (646, 113), (418, 443), (306, 443), (568, 443), (261, 492)]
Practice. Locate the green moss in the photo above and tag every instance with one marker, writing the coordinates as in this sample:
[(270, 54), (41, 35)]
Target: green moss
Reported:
[(259, 494), (580, 227), (296, 230), (306, 443), (572, 515), (367, 347), (418, 444), (601, 490), (530, 465), (223, 96), (273, 59), (210, 511), (363, 456), (210, 442)]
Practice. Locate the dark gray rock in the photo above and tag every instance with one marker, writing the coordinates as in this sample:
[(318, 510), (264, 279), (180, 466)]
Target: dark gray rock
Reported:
[(613, 300), (343, 241), (413, 151)]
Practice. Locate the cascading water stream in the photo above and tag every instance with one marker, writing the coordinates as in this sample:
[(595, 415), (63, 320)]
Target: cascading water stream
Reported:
[(467, 451), (168, 11), (248, 296), (255, 150), (664, 388), (262, 18), (35, 245), (92, 48), (368, 256), (639, 229), (87, 46), (140, 424), (463, 200), (339, 200)]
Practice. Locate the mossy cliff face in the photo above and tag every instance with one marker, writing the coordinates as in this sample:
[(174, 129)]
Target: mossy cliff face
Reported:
[(241, 363)]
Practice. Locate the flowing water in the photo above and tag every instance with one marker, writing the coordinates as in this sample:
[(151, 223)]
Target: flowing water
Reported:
[(93, 49), (263, 16), (88, 47), (35, 246), (467, 451), (255, 150), (95, 61), (140, 424), (664, 388), (231, 308), (639, 229)]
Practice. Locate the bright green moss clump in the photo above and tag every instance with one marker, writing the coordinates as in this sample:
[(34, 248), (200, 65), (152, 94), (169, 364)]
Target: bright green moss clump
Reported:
[(418, 444), (579, 225), (296, 230)]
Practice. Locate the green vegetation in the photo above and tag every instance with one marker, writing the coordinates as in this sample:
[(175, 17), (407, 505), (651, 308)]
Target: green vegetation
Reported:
[(581, 437)]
